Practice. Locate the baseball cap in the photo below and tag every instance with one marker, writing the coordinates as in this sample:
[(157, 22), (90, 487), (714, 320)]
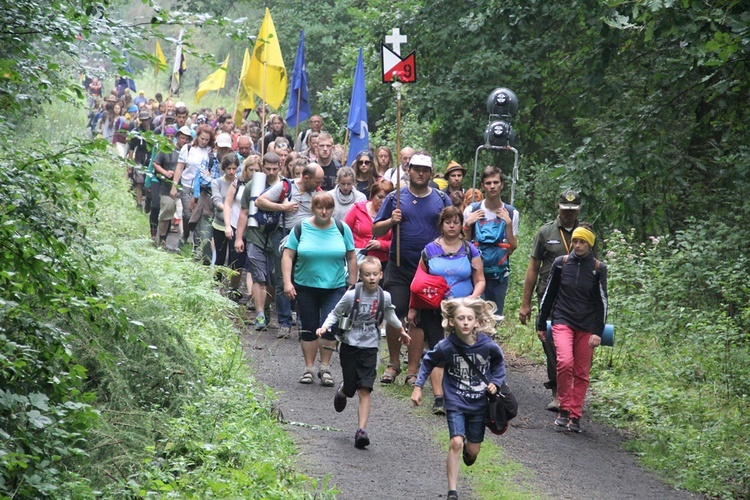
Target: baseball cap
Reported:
[(170, 115), (421, 160), (144, 115), (185, 130), (569, 200), (223, 140)]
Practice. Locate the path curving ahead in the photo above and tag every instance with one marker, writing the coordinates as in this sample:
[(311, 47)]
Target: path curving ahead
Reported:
[(404, 461)]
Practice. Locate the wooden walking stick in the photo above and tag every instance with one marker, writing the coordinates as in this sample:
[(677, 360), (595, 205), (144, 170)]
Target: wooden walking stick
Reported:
[(397, 85)]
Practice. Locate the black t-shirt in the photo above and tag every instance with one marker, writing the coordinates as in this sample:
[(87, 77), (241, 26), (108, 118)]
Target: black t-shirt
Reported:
[(167, 161), (329, 175), (139, 146), (270, 137)]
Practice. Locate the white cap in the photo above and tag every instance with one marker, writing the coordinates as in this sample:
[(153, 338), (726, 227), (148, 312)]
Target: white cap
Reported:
[(179, 104), (223, 140), (421, 161), (185, 130)]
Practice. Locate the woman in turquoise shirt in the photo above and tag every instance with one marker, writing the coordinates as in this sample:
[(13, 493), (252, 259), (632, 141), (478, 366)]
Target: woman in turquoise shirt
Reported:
[(325, 264)]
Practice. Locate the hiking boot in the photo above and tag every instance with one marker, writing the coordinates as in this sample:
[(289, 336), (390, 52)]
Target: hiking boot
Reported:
[(339, 401), (361, 440), (574, 425), (562, 418), (437, 406), (260, 323), (468, 459), (284, 332)]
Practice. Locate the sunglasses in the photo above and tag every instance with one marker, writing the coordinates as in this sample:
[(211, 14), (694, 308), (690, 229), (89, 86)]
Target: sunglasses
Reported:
[(364, 162)]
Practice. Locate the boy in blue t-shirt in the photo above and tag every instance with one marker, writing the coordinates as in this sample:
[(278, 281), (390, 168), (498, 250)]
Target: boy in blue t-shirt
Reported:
[(359, 345)]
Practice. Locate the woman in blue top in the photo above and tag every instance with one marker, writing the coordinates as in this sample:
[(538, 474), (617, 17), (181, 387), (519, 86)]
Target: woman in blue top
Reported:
[(460, 263), (325, 263)]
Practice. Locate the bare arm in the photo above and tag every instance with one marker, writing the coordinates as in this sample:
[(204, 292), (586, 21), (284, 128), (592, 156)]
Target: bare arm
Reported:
[(177, 177), (477, 277), (351, 264), (382, 227), (287, 260), (239, 245), (529, 282), (228, 202)]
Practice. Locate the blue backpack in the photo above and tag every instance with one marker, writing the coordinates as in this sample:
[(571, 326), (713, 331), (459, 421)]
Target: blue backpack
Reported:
[(490, 237)]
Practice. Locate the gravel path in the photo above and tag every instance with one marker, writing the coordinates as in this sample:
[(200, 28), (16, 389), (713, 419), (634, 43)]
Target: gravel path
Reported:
[(404, 461)]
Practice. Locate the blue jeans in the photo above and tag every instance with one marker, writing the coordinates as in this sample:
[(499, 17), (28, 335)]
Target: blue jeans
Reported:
[(495, 290), (469, 425), (283, 304), (314, 306)]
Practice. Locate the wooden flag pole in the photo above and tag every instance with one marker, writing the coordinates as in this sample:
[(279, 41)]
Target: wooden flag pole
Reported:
[(296, 126), (216, 98), (265, 114), (397, 85)]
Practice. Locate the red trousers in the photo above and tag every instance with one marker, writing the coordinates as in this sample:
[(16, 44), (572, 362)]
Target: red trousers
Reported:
[(574, 358)]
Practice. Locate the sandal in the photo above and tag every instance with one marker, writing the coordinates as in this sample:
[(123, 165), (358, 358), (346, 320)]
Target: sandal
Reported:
[(389, 378), (326, 380), (411, 379), (306, 378)]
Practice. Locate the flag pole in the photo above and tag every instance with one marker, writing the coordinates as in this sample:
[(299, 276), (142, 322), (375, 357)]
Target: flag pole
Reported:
[(237, 97), (346, 145), (397, 85), (216, 98), (265, 114), (296, 126)]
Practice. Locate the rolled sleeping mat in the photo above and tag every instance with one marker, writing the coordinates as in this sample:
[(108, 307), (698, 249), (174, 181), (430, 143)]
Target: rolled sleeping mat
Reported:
[(256, 188), (608, 334)]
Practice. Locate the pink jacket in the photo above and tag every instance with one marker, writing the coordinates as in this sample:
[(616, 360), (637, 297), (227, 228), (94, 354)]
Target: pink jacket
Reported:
[(359, 221)]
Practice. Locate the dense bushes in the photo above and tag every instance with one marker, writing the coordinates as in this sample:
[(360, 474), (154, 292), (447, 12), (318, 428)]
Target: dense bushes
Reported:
[(121, 371)]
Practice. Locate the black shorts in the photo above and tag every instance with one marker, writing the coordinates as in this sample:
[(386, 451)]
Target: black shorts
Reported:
[(431, 321), (397, 283), (358, 367)]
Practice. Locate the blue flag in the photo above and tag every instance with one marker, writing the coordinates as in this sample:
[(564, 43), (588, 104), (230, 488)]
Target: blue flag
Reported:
[(359, 135), (298, 89), (129, 69)]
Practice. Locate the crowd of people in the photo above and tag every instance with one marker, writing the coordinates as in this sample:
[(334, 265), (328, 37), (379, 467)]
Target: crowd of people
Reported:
[(356, 252)]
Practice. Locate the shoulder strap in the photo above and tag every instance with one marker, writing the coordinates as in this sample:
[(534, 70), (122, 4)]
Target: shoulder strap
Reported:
[(286, 189), (380, 313), (472, 365), (298, 231), (340, 226), (354, 311), (596, 265), (475, 205), (443, 196)]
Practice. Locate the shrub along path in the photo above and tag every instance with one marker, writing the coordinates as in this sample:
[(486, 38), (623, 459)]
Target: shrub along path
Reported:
[(405, 460)]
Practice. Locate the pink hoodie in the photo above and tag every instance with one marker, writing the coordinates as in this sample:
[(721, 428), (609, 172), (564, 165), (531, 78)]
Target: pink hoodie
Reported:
[(359, 221)]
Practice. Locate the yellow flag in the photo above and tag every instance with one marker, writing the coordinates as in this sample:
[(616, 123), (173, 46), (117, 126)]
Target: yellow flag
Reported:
[(160, 56), (245, 97), (267, 76), (215, 81)]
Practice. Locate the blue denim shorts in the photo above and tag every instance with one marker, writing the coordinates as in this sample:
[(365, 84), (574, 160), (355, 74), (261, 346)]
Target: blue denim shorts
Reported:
[(469, 425)]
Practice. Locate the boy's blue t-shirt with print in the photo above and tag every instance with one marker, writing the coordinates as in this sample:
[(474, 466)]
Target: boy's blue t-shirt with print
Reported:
[(321, 255)]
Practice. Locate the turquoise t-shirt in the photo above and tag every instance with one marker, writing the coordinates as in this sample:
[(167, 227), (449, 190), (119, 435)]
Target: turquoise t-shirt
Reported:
[(321, 255)]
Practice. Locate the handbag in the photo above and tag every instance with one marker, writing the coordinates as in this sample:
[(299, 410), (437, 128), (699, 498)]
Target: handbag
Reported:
[(502, 407), (427, 290)]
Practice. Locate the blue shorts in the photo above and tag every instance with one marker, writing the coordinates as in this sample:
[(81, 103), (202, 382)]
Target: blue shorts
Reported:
[(468, 425)]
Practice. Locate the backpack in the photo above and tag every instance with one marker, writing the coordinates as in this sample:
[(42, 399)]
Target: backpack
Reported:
[(354, 311), (270, 219), (489, 236)]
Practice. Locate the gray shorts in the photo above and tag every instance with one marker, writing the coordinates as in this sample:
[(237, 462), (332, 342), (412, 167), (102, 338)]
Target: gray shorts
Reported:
[(260, 264), (167, 207)]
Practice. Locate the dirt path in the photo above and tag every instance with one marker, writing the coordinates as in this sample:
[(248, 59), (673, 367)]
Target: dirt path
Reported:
[(404, 461)]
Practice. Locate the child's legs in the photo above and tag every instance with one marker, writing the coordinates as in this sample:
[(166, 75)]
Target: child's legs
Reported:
[(364, 406), (563, 338), (462, 426), (451, 463), (583, 355)]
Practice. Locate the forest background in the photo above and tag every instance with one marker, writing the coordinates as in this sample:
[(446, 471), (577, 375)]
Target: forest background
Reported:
[(641, 106)]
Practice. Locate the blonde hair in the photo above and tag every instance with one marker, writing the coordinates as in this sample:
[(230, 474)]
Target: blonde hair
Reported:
[(484, 312), (372, 261), (247, 173)]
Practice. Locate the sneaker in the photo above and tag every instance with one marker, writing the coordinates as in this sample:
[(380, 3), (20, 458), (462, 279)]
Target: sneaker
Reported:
[(294, 318), (339, 401), (437, 406), (574, 425), (452, 495), (562, 418), (361, 440), (284, 332), (468, 459), (260, 323)]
